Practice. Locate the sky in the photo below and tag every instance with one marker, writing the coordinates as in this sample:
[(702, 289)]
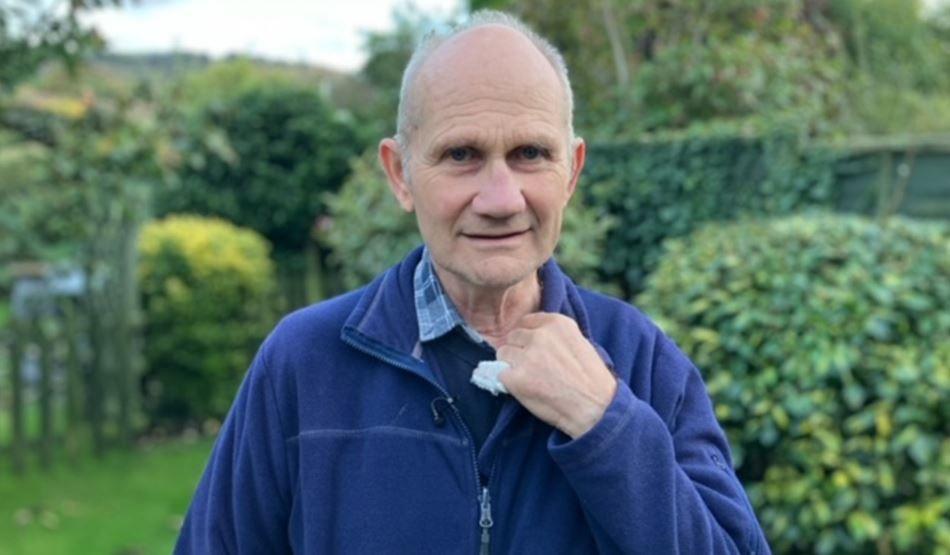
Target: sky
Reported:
[(321, 32)]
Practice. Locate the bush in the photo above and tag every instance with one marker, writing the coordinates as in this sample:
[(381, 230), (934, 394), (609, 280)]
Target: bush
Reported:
[(206, 288), (263, 159), (824, 344), (363, 247), (664, 187)]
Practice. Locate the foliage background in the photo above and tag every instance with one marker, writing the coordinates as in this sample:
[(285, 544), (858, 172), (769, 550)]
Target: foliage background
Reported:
[(822, 342), (661, 187), (206, 288), (697, 115)]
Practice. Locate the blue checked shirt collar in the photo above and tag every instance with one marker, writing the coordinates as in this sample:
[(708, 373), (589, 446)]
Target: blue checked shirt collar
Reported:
[(435, 311)]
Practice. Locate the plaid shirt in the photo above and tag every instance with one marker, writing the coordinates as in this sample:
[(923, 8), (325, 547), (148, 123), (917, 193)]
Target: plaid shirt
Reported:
[(435, 311)]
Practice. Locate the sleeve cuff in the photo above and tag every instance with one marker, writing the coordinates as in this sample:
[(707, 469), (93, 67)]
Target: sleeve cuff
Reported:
[(572, 453)]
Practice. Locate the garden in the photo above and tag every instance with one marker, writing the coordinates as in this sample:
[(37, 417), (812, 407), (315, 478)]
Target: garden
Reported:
[(769, 181)]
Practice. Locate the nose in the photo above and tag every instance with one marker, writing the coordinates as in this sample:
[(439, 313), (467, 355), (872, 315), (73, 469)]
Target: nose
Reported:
[(499, 194)]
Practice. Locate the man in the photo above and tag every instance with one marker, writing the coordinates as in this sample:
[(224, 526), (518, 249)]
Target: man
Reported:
[(357, 429)]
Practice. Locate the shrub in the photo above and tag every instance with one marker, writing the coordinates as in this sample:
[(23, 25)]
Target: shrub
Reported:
[(824, 344), (364, 246), (263, 159), (206, 288), (664, 187)]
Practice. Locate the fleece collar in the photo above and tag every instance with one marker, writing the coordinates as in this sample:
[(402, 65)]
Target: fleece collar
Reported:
[(385, 319)]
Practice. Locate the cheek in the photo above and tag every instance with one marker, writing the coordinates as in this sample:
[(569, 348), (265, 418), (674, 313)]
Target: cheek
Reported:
[(548, 202), (439, 210)]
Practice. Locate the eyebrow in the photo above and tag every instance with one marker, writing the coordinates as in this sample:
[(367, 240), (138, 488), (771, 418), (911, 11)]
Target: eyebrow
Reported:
[(543, 140)]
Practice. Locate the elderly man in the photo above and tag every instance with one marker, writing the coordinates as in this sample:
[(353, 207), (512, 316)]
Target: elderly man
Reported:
[(358, 430)]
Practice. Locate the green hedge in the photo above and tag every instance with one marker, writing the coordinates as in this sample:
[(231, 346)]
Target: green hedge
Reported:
[(823, 341), (665, 187), (207, 295), (364, 246)]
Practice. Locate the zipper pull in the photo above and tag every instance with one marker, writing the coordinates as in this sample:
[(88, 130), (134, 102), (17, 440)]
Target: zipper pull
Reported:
[(485, 520)]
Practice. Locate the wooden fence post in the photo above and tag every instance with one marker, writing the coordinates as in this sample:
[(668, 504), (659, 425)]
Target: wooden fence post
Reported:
[(16, 407), (93, 388), (73, 377), (46, 392)]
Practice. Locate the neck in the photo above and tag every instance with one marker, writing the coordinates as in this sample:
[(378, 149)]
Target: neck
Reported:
[(493, 312)]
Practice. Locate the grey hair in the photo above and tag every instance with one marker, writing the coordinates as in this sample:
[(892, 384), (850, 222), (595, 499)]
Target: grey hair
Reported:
[(437, 37)]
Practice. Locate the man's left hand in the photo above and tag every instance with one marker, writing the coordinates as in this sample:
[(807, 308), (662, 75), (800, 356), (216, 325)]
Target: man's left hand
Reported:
[(556, 373)]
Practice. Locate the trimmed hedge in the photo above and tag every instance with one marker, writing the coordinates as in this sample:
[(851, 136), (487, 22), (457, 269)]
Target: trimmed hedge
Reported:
[(367, 230), (823, 340), (667, 186), (206, 287)]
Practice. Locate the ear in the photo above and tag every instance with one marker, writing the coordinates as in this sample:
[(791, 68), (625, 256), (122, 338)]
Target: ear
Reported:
[(578, 157), (390, 158)]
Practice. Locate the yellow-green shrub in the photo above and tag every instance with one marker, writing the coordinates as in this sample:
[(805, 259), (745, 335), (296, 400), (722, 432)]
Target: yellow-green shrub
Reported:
[(206, 289), (824, 343)]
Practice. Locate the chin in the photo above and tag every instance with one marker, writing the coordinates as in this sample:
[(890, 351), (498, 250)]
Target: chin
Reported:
[(500, 272)]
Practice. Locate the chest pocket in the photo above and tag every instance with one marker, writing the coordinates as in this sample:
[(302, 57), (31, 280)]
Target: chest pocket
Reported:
[(383, 489)]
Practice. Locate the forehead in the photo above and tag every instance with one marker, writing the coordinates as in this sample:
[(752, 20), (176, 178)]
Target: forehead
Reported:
[(490, 73)]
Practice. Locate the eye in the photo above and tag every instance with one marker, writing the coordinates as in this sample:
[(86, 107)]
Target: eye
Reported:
[(531, 153), (460, 153)]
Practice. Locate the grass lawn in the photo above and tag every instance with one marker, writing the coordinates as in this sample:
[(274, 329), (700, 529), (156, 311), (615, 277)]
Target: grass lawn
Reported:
[(126, 503)]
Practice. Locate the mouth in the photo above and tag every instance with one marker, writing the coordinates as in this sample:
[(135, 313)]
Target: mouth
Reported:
[(490, 236), (496, 238)]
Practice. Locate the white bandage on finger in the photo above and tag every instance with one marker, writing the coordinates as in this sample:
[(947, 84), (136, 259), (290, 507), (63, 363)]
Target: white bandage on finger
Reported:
[(486, 374)]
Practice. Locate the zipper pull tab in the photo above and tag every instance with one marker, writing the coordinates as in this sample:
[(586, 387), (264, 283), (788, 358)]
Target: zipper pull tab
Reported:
[(485, 520)]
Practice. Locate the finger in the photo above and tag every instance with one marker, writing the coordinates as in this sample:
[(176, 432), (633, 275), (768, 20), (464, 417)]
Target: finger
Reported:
[(537, 320), (505, 378), (511, 378), (510, 354), (534, 320), (519, 337)]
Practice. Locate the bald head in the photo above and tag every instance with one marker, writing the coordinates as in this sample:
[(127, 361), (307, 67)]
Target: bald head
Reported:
[(491, 50)]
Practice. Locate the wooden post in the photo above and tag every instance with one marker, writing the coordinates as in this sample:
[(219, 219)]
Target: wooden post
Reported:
[(16, 383), (73, 377), (93, 388), (46, 392)]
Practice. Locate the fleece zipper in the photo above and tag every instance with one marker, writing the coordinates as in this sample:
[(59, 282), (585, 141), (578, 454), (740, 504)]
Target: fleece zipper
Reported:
[(485, 521)]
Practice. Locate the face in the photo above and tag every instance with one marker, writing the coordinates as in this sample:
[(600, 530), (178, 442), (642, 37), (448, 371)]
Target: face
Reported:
[(490, 171)]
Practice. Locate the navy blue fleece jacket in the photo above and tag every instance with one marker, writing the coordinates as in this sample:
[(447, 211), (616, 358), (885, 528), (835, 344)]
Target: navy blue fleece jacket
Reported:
[(342, 440)]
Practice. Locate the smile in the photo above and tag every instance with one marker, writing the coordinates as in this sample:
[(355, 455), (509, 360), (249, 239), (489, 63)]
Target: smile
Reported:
[(496, 238)]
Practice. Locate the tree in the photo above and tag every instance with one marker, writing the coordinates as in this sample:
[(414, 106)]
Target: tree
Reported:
[(34, 32), (388, 52), (643, 66), (263, 159), (853, 65)]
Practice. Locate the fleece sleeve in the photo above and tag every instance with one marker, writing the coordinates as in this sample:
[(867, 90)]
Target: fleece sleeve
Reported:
[(650, 484), (242, 501)]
